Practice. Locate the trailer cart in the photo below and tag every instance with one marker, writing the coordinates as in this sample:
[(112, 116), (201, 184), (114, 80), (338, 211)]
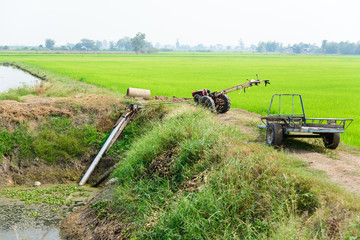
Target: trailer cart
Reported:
[(281, 125)]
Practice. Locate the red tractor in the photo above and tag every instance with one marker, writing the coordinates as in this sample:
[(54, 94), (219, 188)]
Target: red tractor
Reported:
[(219, 101)]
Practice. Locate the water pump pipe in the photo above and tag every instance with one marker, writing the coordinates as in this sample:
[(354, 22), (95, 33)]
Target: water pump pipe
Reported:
[(111, 139)]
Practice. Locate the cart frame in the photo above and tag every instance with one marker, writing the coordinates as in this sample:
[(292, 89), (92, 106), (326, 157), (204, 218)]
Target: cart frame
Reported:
[(283, 125)]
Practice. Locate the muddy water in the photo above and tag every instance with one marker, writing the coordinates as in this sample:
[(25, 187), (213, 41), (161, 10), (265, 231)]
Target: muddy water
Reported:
[(19, 220), (14, 78)]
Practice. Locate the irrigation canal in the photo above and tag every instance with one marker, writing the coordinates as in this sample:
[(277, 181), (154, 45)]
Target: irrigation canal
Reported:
[(13, 78)]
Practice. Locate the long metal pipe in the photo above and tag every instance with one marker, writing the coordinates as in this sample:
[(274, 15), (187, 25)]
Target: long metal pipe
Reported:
[(101, 152)]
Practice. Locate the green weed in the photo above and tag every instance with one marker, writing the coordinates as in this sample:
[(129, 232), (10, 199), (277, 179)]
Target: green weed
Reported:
[(19, 139), (57, 196), (33, 214), (59, 140)]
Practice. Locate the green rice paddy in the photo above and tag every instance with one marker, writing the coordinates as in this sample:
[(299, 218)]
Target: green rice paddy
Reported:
[(330, 85)]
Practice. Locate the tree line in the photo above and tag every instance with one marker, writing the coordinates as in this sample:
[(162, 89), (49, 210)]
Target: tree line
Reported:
[(138, 44), (346, 48)]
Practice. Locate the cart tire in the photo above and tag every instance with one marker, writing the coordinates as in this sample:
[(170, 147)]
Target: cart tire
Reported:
[(331, 140), (274, 134), (222, 103), (197, 97), (208, 103)]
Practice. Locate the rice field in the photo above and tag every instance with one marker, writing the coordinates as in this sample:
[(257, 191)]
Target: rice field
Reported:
[(330, 85)]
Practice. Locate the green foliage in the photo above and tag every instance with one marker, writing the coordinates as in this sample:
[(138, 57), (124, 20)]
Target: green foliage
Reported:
[(242, 200), (9, 96), (49, 43), (140, 124), (59, 140), (270, 46), (124, 44), (19, 140), (191, 133), (101, 208), (86, 45), (138, 42), (57, 195), (15, 94)]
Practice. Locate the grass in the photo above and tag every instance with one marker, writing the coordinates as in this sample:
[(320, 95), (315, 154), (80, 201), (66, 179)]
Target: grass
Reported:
[(56, 141), (189, 176), (59, 140), (329, 84), (193, 178)]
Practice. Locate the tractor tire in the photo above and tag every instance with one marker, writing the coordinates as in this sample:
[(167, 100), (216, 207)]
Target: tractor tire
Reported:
[(331, 140), (197, 97), (274, 134), (208, 103), (222, 103)]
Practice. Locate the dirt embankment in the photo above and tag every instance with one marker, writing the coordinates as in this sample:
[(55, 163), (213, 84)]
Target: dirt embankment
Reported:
[(85, 223), (340, 165), (93, 109)]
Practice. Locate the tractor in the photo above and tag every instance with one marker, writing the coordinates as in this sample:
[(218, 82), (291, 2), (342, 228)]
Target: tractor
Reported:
[(220, 101)]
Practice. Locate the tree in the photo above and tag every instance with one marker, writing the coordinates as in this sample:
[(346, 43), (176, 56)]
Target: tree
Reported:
[(148, 48), (241, 45), (63, 48), (105, 44), (88, 44), (78, 47), (357, 51), (297, 48), (272, 46), (260, 47), (112, 45), (323, 45), (332, 48), (124, 44), (138, 42), (49, 43), (347, 48), (98, 44)]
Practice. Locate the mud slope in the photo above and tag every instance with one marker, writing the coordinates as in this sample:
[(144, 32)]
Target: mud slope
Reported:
[(32, 112)]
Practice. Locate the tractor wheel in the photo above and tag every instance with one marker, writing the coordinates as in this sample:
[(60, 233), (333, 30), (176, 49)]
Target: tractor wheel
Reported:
[(207, 102), (197, 97), (222, 103), (331, 140), (274, 134)]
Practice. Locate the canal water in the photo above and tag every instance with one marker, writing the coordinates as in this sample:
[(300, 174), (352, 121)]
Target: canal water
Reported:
[(13, 78), (35, 221), (17, 221)]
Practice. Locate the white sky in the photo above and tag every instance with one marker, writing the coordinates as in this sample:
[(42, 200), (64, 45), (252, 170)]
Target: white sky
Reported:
[(30, 22)]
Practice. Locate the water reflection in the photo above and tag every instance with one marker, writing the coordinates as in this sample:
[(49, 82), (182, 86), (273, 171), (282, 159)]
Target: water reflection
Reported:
[(17, 221), (14, 78)]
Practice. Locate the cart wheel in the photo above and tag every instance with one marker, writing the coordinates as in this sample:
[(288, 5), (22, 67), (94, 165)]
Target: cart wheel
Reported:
[(274, 134), (222, 103), (331, 140), (197, 97), (207, 102)]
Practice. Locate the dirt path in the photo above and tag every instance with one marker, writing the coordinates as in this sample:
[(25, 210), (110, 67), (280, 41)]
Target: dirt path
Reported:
[(341, 165)]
